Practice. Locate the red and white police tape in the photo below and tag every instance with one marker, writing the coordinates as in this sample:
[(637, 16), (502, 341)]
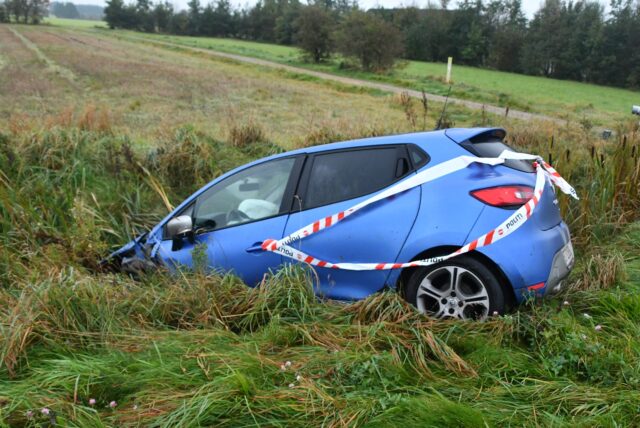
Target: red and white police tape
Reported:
[(507, 227)]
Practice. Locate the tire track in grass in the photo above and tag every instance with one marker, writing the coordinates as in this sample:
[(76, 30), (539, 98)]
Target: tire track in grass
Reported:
[(52, 66)]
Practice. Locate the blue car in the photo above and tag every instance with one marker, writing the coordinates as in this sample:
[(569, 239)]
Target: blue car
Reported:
[(275, 196)]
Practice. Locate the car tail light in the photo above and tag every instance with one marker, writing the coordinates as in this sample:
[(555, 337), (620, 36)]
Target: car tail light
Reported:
[(504, 196)]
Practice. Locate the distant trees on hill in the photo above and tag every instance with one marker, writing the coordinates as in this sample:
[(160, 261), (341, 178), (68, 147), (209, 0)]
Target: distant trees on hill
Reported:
[(65, 10), (75, 11), (565, 39), (90, 11), (25, 11)]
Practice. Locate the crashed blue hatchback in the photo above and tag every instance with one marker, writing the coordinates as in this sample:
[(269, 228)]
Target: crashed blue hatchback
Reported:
[(298, 207)]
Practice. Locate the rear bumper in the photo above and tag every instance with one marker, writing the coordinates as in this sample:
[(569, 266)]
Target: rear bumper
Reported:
[(534, 261), (562, 264)]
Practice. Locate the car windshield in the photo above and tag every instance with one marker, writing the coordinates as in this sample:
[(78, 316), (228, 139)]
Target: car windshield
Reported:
[(252, 194)]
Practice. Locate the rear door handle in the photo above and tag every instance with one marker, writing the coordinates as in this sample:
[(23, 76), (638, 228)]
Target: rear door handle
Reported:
[(256, 248)]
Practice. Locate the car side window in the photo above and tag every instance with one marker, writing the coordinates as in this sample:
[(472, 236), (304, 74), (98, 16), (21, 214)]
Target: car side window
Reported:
[(344, 175), (252, 194)]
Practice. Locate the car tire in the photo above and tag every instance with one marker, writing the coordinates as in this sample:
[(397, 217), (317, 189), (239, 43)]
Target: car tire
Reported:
[(461, 287)]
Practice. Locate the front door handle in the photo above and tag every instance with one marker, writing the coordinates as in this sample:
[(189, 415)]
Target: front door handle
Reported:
[(256, 248)]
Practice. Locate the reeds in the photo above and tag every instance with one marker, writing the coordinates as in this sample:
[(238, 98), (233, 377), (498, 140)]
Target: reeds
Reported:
[(606, 176), (199, 349)]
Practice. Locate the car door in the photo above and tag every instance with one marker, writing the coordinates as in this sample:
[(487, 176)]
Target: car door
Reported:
[(232, 218), (335, 181)]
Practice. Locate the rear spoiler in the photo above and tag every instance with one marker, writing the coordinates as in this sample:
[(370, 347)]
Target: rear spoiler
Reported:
[(475, 135)]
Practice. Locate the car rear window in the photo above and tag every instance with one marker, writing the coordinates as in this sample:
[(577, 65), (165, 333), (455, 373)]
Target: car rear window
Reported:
[(346, 175), (492, 148)]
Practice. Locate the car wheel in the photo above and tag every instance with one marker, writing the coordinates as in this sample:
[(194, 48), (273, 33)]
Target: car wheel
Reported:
[(461, 287)]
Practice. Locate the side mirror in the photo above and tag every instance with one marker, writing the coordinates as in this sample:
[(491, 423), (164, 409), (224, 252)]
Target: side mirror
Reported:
[(179, 226)]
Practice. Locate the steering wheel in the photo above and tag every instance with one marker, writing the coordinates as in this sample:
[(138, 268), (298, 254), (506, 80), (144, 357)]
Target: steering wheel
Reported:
[(236, 216)]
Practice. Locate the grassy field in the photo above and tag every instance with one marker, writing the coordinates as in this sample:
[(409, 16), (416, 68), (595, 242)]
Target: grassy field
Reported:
[(146, 91), (74, 23), (96, 133), (564, 99)]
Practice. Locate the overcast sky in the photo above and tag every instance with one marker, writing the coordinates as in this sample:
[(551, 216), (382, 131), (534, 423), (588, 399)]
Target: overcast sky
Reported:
[(529, 6)]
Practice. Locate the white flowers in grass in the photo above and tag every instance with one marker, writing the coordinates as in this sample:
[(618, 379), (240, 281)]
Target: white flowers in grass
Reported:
[(285, 366), (565, 303), (45, 411), (597, 327), (495, 313)]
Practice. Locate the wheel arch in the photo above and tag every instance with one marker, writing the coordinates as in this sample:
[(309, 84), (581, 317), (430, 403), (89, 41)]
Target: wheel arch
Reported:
[(509, 294)]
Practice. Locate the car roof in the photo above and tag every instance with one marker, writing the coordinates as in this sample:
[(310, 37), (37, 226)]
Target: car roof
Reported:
[(458, 135), (419, 138)]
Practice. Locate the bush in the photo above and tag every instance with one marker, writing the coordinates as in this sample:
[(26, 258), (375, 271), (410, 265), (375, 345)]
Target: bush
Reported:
[(314, 33), (375, 43)]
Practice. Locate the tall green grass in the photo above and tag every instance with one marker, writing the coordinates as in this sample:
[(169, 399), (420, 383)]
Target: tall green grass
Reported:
[(197, 349)]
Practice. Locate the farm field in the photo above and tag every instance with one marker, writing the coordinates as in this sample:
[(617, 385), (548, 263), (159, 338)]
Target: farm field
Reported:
[(145, 90), (574, 101), (74, 23), (99, 135)]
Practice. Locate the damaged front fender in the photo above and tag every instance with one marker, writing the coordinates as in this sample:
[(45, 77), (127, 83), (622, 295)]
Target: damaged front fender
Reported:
[(131, 258)]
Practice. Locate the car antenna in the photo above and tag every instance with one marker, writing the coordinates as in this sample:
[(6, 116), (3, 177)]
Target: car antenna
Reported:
[(444, 110)]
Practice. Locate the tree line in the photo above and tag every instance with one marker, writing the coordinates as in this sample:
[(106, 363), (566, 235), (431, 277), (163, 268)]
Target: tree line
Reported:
[(65, 10), (565, 39), (25, 11)]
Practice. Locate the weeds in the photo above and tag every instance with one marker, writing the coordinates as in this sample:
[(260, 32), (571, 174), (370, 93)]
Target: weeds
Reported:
[(202, 349), (242, 135), (607, 179), (601, 271)]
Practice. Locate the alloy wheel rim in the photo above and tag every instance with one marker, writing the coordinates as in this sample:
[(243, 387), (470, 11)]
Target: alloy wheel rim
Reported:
[(453, 292)]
